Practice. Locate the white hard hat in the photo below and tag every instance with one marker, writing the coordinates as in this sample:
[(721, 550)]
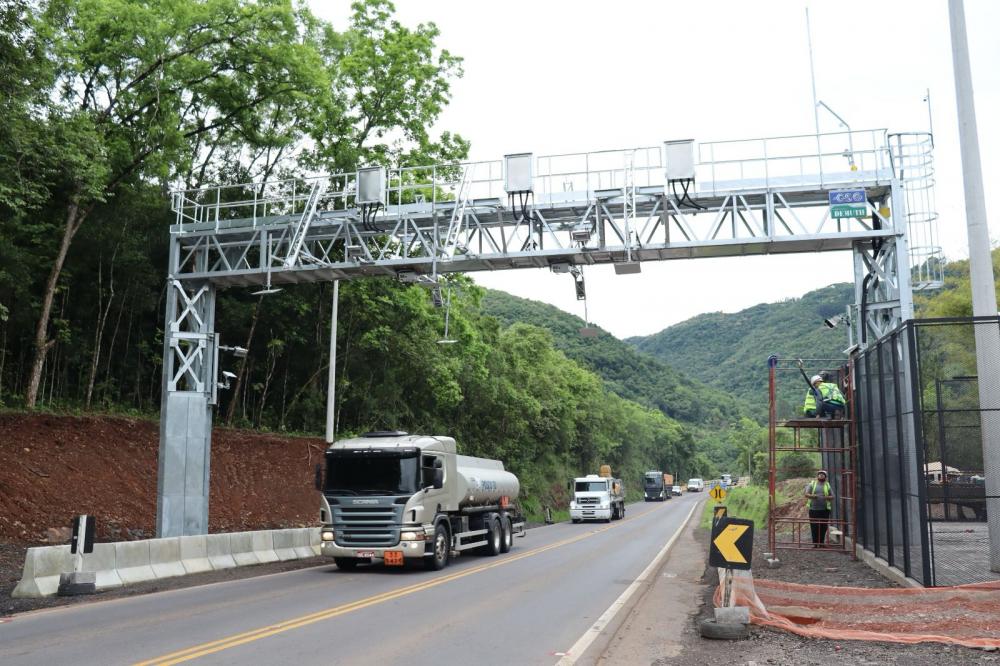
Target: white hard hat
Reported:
[(815, 378)]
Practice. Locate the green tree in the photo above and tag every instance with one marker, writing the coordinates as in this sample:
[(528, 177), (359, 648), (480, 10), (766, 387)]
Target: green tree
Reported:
[(138, 85)]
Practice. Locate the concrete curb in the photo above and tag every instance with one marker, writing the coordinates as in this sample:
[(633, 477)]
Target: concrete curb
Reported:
[(128, 562)]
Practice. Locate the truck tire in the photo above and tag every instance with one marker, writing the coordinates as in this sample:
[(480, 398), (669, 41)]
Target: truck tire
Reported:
[(345, 563), (438, 559), (494, 538), (507, 542), (621, 512), (576, 521)]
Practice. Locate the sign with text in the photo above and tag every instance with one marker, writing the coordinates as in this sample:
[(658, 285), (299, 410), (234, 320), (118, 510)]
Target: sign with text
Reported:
[(848, 203)]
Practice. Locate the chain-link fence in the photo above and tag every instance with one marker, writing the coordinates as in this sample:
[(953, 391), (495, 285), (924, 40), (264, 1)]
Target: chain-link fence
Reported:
[(923, 482)]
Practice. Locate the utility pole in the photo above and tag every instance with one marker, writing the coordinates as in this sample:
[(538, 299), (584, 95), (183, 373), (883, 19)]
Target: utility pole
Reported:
[(331, 377), (984, 301)]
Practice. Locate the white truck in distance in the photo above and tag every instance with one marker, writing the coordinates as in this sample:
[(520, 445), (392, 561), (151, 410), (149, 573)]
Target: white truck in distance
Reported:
[(392, 497), (597, 498), (696, 485)]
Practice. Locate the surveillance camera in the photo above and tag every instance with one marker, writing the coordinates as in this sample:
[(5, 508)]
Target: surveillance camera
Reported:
[(228, 375), (830, 323)]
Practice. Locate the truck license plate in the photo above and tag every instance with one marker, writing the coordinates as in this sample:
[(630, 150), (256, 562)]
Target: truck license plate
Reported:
[(366, 553), (393, 558)]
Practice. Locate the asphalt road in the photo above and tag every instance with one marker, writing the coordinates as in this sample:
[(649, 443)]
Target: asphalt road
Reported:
[(526, 607)]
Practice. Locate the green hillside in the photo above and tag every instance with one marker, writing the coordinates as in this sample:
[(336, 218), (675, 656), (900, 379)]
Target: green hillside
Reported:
[(729, 350), (632, 375)]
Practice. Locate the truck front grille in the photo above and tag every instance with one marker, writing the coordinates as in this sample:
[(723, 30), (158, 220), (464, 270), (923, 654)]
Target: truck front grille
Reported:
[(363, 526), (589, 501)]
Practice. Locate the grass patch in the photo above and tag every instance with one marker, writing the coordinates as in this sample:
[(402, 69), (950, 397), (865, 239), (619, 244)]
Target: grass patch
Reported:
[(749, 502)]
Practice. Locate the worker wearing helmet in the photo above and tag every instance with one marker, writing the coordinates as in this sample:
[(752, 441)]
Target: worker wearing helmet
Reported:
[(819, 501), (823, 399)]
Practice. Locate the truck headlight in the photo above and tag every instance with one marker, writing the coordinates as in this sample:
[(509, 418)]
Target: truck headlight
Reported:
[(328, 535), (412, 536), (572, 504), (604, 505)]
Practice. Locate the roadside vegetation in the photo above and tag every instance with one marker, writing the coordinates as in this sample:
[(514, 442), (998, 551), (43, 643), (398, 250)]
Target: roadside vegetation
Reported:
[(748, 502)]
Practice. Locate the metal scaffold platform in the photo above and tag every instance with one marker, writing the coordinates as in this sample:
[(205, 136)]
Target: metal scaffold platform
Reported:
[(676, 200), (830, 442)]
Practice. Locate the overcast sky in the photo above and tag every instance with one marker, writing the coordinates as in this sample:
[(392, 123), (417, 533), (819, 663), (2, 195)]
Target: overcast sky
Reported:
[(574, 76)]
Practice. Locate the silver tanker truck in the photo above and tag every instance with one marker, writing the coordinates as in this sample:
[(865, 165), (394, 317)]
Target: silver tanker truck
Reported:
[(392, 497)]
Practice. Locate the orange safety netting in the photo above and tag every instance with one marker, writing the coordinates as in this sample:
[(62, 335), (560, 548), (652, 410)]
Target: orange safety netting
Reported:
[(966, 615)]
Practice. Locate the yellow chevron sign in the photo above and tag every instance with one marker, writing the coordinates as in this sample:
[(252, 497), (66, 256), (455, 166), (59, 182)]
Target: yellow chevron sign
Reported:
[(732, 543), (718, 493)]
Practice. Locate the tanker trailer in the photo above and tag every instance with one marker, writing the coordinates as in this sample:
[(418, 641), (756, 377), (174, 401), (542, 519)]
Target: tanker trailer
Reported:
[(394, 498)]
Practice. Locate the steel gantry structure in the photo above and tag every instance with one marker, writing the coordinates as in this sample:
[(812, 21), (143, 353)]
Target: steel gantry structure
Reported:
[(677, 200)]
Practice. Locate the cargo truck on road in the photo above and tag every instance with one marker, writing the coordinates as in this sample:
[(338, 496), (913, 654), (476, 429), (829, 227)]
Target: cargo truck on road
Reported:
[(395, 498), (657, 486), (597, 498)]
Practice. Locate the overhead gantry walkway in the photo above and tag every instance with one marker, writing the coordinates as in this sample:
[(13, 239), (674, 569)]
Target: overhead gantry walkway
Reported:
[(677, 200)]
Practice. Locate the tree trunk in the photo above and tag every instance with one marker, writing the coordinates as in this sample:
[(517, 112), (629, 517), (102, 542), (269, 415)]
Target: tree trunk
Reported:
[(102, 319), (74, 217), (241, 373)]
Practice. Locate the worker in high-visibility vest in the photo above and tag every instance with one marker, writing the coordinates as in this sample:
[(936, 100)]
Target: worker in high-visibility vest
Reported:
[(819, 501), (823, 399)]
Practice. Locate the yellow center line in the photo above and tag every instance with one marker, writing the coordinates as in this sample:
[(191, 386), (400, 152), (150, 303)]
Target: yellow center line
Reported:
[(235, 640)]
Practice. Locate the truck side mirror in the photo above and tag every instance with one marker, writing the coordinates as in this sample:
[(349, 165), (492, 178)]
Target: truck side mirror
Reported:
[(319, 477), (438, 479)]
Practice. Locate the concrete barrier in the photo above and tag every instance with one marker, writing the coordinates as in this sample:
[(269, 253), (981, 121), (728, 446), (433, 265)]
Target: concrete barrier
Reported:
[(219, 553), (241, 546), (132, 562), (315, 540), (301, 544), (128, 562), (284, 544), (263, 545), (194, 554), (42, 566), (165, 557), (103, 563)]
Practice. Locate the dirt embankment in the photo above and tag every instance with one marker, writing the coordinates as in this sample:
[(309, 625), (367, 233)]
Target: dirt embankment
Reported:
[(55, 467)]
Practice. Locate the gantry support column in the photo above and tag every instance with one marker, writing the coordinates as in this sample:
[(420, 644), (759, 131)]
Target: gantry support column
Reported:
[(189, 384)]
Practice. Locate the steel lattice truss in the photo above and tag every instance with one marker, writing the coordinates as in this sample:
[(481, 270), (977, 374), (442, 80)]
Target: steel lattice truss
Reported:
[(764, 196)]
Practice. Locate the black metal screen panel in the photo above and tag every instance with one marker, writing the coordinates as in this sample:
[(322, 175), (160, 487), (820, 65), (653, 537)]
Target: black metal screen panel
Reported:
[(922, 477)]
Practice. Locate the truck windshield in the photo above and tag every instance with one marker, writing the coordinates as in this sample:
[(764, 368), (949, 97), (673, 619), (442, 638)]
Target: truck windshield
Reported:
[(591, 486), (654, 481), (371, 474)]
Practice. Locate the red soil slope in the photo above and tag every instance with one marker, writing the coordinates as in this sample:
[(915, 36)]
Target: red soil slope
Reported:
[(55, 467)]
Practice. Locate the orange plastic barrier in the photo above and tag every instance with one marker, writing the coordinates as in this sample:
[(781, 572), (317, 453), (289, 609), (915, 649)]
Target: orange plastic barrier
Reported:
[(966, 615)]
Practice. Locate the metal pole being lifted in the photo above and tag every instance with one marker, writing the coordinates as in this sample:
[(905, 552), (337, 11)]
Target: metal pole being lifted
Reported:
[(331, 377), (984, 301)]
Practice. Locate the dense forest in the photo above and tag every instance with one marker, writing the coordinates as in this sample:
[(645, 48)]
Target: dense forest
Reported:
[(108, 106)]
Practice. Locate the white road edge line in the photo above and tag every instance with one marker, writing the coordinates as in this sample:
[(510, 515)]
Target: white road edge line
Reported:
[(595, 629)]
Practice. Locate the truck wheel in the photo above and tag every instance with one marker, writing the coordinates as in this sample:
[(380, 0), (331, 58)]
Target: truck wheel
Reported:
[(508, 535), (621, 511), (493, 538), (442, 549), (345, 563), (576, 520)]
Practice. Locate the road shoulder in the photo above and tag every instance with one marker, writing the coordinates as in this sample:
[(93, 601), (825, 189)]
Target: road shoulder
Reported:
[(653, 630)]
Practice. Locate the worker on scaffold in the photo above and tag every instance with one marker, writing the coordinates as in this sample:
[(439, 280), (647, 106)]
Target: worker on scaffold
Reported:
[(819, 501), (823, 399)]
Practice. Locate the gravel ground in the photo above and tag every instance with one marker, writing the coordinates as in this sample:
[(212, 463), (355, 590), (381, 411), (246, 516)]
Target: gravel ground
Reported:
[(768, 646)]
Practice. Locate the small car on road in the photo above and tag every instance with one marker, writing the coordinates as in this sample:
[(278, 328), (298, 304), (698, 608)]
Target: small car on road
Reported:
[(675, 490)]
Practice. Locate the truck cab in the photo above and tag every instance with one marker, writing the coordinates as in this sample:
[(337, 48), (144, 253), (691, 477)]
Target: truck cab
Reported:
[(392, 497), (597, 498), (654, 489)]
